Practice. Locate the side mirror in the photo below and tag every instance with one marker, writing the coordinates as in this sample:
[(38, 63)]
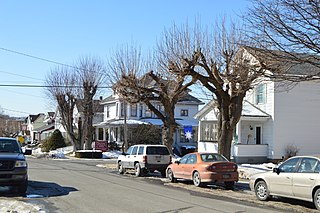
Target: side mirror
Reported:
[(276, 170), (27, 151), (177, 162)]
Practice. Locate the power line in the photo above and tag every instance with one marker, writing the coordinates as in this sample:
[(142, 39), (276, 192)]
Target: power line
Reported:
[(14, 74), (47, 86), (38, 58)]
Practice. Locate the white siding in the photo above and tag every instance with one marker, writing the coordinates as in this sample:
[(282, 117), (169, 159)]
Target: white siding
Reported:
[(297, 119)]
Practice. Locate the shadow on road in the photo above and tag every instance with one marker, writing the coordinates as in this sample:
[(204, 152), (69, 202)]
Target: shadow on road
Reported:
[(37, 189)]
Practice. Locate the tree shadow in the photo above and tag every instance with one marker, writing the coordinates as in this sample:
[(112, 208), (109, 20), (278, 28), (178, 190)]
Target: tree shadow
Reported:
[(38, 189)]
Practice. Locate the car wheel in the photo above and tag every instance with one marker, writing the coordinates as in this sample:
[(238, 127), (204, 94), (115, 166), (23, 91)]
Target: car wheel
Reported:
[(229, 184), (137, 170), (120, 168), (171, 176), (316, 199), (261, 190), (196, 179), (22, 188), (163, 173)]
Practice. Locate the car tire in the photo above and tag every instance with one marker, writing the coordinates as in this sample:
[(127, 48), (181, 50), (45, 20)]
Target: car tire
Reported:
[(120, 168), (137, 170), (22, 188), (170, 176), (316, 199), (261, 190), (229, 184), (163, 173), (196, 179)]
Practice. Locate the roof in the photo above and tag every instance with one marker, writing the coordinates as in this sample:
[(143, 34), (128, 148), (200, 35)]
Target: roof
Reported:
[(249, 110), (288, 61), (97, 107)]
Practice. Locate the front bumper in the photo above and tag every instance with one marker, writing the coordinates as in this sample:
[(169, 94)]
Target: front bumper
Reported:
[(13, 177)]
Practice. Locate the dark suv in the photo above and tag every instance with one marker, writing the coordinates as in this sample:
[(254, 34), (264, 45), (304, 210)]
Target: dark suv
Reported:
[(13, 165)]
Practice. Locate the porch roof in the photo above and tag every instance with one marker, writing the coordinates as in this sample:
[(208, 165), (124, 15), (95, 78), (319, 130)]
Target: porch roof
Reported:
[(251, 111), (120, 122)]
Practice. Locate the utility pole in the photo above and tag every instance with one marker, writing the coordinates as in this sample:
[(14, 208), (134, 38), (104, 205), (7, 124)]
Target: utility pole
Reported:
[(125, 127)]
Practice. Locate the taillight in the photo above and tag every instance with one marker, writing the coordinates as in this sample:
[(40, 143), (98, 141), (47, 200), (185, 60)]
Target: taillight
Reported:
[(235, 167), (144, 159)]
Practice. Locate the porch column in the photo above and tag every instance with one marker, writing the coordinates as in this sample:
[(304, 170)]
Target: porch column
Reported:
[(238, 132)]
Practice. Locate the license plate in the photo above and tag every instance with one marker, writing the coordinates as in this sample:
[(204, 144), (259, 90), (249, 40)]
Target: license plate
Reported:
[(226, 176), (158, 158)]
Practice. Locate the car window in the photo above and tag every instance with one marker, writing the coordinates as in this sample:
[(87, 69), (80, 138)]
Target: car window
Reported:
[(134, 150), (140, 151), (210, 157), (289, 165), (317, 169), (307, 165), (9, 146), (157, 150), (129, 150), (184, 159), (192, 159)]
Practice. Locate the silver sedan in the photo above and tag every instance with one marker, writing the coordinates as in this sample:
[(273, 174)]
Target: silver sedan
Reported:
[(298, 178)]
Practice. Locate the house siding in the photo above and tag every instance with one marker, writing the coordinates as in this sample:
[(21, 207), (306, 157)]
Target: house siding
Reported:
[(297, 119)]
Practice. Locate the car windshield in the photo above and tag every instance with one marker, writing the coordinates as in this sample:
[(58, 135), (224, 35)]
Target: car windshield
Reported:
[(157, 150), (209, 157), (10, 146)]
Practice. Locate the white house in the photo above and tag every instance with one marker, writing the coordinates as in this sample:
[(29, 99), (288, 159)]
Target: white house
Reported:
[(111, 129), (277, 117)]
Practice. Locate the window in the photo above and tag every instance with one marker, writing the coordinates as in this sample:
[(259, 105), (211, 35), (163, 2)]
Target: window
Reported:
[(289, 165), (117, 109), (184, 113), (122, 109), (210, 131), (134, 150), (141, 110), (192, 159), (307, 165), (140, 151), (261, 94), (100, 134), (134, 109), (129, 150), (108, 112)]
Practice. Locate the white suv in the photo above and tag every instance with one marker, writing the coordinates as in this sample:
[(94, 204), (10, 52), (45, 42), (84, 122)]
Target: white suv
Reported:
[(145, 158)]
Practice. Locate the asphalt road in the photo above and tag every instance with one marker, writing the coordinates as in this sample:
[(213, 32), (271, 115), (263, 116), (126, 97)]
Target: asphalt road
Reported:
[(81, 186)]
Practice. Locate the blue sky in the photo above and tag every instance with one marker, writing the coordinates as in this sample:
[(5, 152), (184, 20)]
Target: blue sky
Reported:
[(63, 31)]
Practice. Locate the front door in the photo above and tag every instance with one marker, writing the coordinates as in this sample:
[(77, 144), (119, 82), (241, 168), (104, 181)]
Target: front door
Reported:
[(258, 135)]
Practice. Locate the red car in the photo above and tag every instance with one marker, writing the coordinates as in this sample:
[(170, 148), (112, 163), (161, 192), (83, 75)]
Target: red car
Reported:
[(204, 168)]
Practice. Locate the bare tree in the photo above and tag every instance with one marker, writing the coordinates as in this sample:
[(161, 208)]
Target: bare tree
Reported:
[(290, 26), (61, 86), (91, 72), (136, 83), (222, 65)]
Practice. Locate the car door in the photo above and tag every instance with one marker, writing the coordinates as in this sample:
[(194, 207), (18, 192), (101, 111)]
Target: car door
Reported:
[(305, 178), (133, 156), (189, 167), (127, 157), (281, 183), (179, 167)]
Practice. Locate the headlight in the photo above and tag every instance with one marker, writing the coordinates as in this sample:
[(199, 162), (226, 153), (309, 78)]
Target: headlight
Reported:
[(21, 163)]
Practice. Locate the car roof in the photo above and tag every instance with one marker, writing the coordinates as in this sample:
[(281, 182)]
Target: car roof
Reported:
[(7, 138), (150, 145)]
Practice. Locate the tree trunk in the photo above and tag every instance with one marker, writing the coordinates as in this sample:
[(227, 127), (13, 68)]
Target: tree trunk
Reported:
[(167, 136)]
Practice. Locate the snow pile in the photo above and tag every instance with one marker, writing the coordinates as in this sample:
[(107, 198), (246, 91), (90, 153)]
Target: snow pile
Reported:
[(247, 170), (111, 154)]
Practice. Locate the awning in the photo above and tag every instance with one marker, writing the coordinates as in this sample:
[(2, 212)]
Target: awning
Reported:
[(153, 121), (184, 122)]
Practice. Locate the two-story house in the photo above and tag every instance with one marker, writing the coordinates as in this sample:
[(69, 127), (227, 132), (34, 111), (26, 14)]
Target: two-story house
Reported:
[(278, 117), (111, 129)]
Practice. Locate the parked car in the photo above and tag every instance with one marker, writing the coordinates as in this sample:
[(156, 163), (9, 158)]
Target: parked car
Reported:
[(13, 165), (298, 178), (204, 168), (145, 158)]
